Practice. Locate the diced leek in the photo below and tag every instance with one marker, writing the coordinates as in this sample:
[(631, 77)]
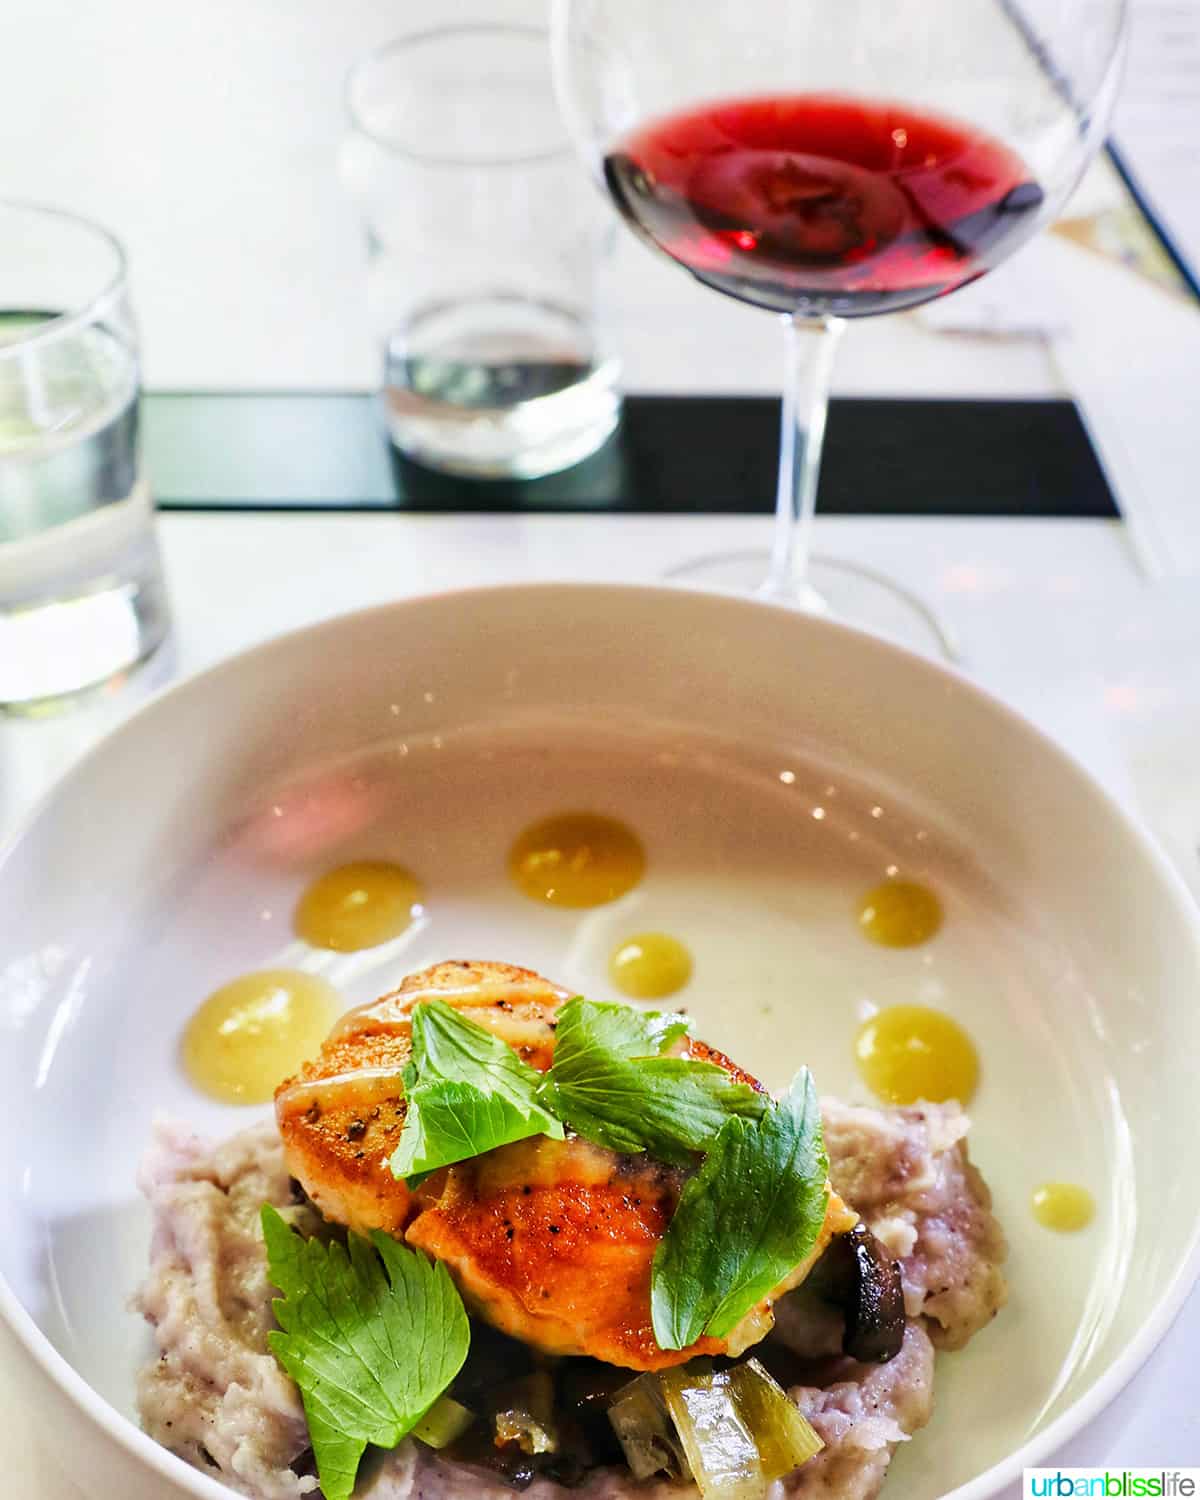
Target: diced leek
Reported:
[(445, 1420), (784, 1437), (645, 1431), (732, 1433), (720, 1449), (523, 1413)]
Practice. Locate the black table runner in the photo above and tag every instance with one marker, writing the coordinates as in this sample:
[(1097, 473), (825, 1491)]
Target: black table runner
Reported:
[(672, 455)]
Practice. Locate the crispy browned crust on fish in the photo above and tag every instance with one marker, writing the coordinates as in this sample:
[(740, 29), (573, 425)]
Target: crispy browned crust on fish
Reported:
[(338, 1141), (551, 1241)]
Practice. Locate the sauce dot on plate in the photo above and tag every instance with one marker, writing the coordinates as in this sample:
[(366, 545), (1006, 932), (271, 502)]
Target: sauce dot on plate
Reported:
[(253, 1032), (900, 914), (357, 906), (577, 860), (1064, 1206), (650, 966), (911, 1052)]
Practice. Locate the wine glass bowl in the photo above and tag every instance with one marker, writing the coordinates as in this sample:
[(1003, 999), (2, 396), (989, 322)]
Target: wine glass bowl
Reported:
[(822, 204), (834, 162)]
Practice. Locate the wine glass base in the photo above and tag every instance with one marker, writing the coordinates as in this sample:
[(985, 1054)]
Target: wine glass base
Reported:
[(845, 591)]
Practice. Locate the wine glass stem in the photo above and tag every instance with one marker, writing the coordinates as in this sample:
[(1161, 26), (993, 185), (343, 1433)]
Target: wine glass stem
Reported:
[(810, 345)]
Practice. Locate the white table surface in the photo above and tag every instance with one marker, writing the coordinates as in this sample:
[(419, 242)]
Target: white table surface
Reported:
[(1053, 615)]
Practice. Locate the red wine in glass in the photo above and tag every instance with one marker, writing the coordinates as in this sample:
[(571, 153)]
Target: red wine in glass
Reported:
[(823, 204)]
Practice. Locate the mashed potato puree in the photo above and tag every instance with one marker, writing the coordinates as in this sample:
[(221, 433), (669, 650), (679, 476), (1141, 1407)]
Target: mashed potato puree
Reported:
[(216, 1395)]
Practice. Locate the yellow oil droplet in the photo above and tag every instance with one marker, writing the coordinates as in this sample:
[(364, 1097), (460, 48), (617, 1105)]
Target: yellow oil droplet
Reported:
[(900, 914), (576, 860), (253, 1032), (911, 1052), (650, 966), (357, 906), (1064, 1206)]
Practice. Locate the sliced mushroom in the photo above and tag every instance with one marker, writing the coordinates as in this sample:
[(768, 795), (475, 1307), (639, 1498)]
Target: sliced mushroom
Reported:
[(858, 1275), (852, 1303)]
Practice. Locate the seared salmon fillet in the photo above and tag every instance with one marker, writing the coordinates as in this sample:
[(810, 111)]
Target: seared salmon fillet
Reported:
[(550, 1241), (341, 1116)]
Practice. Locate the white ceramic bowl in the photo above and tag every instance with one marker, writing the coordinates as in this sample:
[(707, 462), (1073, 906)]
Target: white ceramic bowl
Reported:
[(775, 766)]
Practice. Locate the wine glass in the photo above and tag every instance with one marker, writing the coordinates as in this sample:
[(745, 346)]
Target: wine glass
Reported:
[(829, 160)]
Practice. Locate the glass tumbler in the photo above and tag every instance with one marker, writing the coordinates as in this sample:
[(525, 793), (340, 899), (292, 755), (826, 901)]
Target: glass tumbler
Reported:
[(81, 588), (486, 254)]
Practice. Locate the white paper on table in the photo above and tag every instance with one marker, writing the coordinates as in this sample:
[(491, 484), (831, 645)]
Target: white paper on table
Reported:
[(1129, 352), (1157, 125)]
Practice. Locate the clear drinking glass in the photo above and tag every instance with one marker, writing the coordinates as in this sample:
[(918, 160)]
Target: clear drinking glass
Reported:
[(81, 587), (829, 160), (486, 254)]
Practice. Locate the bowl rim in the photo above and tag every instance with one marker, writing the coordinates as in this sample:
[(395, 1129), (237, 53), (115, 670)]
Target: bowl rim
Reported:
[(126, 1434)]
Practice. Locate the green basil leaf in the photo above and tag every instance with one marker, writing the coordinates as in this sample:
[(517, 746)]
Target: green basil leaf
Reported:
[(449, 1122), (371, 1332), (466, 1091), (620, 1029), (746, 1219), (448, 1048), (668, 1106)]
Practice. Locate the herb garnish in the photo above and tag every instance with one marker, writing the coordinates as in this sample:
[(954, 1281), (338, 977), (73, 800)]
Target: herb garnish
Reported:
[(372, 1336), (622, 1029), (611, 1084), (747, 1218), (749, 1215), (467, 1092)]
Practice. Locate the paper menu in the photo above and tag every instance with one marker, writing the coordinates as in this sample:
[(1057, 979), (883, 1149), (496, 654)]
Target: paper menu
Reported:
[(1157, 124)]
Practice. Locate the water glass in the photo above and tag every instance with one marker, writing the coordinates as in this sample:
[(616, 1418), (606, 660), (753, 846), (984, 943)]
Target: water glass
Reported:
[(487, 251), (81, 589)]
